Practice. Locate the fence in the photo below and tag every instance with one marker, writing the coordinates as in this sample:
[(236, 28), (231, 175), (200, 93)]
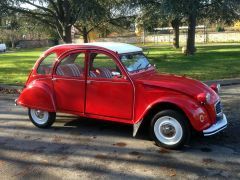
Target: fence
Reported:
[(168, 38)]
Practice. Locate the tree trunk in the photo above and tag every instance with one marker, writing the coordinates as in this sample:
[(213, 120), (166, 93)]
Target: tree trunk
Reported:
[(67, 38), (191, 34), (13, 44), (85, 35), (13, 40), (175, 25)]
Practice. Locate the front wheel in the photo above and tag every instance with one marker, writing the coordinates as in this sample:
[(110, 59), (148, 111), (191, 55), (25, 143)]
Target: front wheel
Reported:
[(170, 129), (41, 119)]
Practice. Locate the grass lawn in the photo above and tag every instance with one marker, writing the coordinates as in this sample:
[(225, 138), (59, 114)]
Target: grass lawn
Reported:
[(214, 61), (209, 63), (15, 66)]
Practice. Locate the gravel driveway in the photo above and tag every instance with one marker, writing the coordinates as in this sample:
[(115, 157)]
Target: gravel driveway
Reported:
[(88, 149)]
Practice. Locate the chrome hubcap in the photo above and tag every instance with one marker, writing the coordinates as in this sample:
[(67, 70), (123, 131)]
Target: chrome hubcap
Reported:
[(39, 117), (39, 114), (168, 130)]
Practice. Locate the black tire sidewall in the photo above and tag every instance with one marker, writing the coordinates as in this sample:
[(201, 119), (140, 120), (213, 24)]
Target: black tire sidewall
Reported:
[(182, 121), (50, 121)]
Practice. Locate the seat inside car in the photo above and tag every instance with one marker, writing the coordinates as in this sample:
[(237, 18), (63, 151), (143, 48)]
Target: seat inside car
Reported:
[(72, 70)]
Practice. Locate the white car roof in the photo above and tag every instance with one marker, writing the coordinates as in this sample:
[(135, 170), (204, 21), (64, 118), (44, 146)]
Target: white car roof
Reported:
[(119, 48), (116, 47)]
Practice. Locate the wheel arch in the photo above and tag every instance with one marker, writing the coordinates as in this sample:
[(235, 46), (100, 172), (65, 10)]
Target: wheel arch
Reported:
[(37, 95), (159, 106)]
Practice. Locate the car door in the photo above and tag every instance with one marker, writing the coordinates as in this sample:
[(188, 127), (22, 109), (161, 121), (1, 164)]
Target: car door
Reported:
[(69, 82), (109, 92)]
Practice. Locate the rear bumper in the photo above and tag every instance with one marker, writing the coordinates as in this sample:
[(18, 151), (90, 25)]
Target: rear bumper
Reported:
[(215, 128)]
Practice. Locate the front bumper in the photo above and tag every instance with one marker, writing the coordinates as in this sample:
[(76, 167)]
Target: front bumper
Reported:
[(16, 103), (215, 128)]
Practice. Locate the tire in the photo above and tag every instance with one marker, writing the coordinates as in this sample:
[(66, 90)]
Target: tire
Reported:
[(41, 119), (170, 129)]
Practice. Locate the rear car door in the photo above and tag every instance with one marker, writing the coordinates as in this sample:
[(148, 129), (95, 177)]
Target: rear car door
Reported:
[(69, 82)]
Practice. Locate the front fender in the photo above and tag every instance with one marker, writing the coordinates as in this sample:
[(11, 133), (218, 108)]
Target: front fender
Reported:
[(37, 95), (195, 112)]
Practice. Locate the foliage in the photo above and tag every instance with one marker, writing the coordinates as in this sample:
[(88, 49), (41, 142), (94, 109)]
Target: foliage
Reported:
[(59, 15), (104, 15), (62, 15), (16, 27), (192, 11)]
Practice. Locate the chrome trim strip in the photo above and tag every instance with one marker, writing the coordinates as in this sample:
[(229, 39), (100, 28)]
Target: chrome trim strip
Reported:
[(215, 128)]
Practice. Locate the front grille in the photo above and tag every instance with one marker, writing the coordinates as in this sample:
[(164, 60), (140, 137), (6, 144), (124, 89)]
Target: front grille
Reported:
[(218, 107), (219, 112)]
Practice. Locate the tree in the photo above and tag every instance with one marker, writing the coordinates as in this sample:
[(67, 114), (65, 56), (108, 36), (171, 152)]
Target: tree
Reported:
[(62, 15), (172, 11), (58, 14), (194, 11), (213, 10), (162, 12), (17, 27), (103, 14)]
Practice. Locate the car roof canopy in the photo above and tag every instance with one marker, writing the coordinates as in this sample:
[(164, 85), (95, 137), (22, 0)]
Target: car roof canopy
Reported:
[(112, 46), (116, 47)]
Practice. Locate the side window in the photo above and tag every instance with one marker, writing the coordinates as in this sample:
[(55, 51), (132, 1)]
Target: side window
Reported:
[(47, 64), (103, 66), (72, 65)]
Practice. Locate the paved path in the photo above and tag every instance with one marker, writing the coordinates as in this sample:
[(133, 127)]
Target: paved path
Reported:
[(80, 148)]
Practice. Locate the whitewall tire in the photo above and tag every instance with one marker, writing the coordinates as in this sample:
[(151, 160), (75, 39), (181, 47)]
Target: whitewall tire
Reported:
[(41, 119), (170, 129)]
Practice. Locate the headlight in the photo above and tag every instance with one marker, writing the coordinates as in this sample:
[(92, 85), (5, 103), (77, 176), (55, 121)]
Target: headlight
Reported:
[(216, 87), (204, 98), (208, 98)]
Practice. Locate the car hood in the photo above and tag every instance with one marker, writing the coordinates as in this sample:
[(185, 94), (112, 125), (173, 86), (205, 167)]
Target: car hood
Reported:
[(181, 84)]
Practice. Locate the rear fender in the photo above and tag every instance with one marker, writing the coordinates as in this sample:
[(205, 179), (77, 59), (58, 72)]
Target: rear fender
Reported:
[(37, 95)]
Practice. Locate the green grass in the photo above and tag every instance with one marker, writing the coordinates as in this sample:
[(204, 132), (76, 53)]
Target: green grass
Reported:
[(16, 65), (216, 61), (209, 63)]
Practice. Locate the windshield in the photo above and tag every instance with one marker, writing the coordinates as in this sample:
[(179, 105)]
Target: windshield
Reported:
[(135, 61)]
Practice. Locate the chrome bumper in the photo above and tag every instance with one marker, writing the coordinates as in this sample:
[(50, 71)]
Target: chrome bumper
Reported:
[(215, 128), (16, 102)]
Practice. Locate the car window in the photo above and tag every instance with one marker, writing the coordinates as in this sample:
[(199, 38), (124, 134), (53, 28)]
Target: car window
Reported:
[(135, 61), (47, 64), (72, 65), (102, 66)]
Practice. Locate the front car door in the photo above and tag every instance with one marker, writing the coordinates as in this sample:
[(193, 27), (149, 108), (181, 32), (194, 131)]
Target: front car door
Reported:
[(69, 82), (109, 92)]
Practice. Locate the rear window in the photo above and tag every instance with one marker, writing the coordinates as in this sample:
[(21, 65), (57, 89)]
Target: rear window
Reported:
[(46, 64)]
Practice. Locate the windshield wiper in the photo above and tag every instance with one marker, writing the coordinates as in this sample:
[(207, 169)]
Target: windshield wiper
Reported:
[(147, 66), (138, 67)]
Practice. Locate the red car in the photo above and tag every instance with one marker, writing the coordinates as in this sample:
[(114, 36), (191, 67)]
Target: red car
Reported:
[(116, 82)]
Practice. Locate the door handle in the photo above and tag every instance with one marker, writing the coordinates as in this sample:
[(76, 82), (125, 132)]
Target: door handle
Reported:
[(89, 82)]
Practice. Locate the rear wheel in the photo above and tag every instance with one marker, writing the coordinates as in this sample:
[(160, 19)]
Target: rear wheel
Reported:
[(170, 129), (41, 119)]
